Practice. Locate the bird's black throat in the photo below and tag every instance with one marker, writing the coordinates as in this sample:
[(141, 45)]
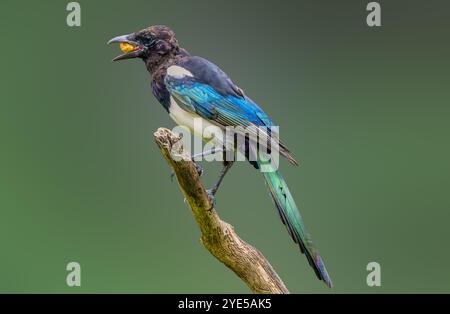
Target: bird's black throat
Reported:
[(157, 66)]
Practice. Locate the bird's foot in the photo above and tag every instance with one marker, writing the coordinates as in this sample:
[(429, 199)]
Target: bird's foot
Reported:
[(212, 198), (199, 168)]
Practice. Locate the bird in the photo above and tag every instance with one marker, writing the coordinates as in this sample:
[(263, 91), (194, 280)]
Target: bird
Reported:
[(192, 88)]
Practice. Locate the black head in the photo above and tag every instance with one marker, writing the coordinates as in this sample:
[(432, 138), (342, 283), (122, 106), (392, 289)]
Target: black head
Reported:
[(150, 42)]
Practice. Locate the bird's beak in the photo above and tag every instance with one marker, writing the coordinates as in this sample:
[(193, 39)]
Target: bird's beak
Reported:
[(131, 48)]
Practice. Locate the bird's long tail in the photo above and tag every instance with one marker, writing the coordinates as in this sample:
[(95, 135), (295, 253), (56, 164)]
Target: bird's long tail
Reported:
[(291, 217)]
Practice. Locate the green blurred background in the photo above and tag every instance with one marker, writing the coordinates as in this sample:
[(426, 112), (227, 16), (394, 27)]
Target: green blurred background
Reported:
[(365, 110)]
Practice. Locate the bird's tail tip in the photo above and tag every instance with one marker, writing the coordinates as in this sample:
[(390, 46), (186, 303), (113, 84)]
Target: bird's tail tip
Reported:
[(323, 272)]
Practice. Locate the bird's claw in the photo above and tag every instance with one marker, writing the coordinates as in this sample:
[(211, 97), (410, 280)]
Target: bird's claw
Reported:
[(198, 168), (211, 199)]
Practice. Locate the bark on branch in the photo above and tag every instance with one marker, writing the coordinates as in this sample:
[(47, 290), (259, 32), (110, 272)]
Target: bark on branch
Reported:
[(217, 236)]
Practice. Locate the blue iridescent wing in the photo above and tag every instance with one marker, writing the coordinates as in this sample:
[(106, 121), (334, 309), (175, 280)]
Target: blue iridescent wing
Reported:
[(202, 88)]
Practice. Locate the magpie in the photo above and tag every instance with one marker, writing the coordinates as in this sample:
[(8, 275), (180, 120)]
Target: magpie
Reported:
[(190, 89)]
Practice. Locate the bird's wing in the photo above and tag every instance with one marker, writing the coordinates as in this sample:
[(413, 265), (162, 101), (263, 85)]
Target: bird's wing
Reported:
[(200, 87)]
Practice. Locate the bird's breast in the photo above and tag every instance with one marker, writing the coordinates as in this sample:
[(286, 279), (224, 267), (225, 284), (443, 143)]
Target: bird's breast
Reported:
[(194, 123)]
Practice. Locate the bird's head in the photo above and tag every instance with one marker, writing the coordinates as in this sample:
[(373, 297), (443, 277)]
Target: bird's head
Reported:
[(151, 42)]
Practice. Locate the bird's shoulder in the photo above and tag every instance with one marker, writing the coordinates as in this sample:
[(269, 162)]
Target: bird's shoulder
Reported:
[(190, 75), (204, 71)]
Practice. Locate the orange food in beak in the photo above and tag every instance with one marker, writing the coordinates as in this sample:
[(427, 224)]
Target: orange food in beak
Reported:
[(126, 47)]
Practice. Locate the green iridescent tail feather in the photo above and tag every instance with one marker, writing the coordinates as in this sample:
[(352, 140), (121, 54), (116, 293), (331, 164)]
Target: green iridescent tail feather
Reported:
[(292, 219)]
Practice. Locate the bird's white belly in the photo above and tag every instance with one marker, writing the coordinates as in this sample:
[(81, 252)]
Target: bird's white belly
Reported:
[(194, 123)]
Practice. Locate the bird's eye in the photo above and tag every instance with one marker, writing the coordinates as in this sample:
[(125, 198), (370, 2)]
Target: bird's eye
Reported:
[(126, 47)]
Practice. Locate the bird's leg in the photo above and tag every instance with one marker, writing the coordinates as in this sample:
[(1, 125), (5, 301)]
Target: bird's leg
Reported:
[(212, 192), (199, 168), (211, 151)]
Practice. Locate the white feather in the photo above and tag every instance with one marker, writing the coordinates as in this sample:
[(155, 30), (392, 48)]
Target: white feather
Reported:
[(178, 72)]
